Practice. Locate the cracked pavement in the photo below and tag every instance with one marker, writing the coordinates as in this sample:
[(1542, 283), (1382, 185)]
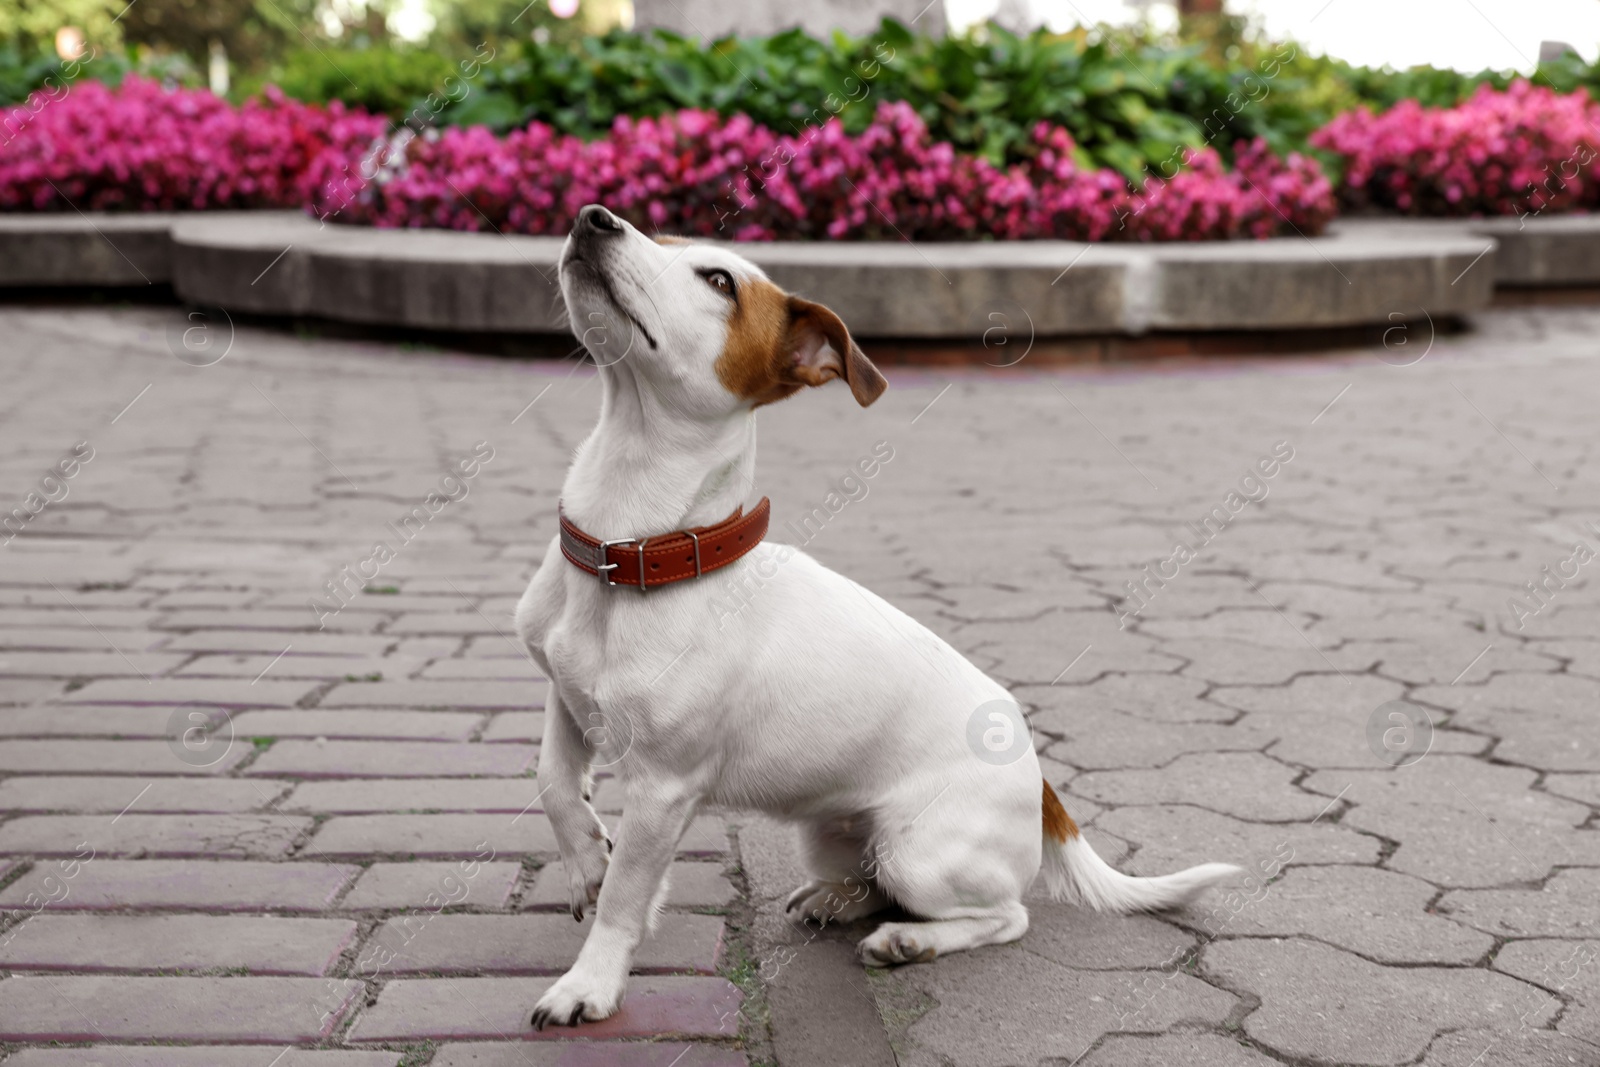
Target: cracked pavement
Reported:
[(1439, 912)]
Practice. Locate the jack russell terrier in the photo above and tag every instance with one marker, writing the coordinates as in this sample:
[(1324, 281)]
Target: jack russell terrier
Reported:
[(820, 703)]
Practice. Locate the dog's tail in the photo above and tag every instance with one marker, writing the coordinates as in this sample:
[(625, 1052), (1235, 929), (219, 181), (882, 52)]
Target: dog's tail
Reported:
[(1073, 873)]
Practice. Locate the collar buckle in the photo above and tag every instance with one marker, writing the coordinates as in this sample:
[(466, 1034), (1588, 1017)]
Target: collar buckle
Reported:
[(603, 569)]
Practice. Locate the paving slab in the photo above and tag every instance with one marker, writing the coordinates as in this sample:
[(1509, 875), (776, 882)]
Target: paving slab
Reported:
[(458, 1009), (1312, 995), (153, 835), (510, 796), (134, 943), (109, 1008), (587, 1054), (200, 884), (430, 943), (389, 759), (199, 1056), (693, 885)]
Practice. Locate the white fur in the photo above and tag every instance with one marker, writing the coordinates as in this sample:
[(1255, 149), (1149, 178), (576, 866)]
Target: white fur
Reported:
[(819, 703)]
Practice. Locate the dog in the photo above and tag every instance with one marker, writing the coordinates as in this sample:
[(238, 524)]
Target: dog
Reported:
[(818, 703)]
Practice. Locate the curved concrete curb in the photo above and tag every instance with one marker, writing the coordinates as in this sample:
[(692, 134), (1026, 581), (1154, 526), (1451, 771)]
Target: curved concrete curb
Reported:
[(1366, 271)]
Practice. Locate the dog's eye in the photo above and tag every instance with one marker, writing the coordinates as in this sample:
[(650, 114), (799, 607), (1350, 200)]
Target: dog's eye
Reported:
[(721, 281)]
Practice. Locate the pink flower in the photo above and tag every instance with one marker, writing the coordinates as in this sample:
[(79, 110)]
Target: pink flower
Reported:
[(1523, 150)]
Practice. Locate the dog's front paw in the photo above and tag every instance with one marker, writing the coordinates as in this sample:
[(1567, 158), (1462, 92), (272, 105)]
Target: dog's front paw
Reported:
[(577, 998), (892, 944), (586, 871)]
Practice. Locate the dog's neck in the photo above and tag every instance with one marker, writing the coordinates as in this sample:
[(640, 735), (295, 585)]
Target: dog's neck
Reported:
[(647, 470)]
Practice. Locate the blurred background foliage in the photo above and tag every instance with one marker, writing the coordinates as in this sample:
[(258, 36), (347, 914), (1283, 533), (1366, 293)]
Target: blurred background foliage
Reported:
[(1131, 98)]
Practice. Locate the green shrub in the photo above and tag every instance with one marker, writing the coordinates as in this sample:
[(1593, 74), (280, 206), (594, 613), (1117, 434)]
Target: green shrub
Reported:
[(385, 81)]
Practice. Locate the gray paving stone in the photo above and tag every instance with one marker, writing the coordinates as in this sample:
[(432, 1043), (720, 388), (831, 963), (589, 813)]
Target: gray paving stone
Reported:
[(134, 943), (374, 725), (525, 726), (693, 885), (1376, 914), (199, 1056), (1563, 907), (1156, 697), (1463, 822), (1189, 1049), (430, 943), (1566, 969), (1584, 788), (510, 796), (231, 693), (488, 1008), (1096, 739), (1243, 784), (108, 1008), (449, 695), (389, 759), (107, 664), (53, 720), (972, 1026), (270, 644), (587, 1054), (434, 885), (490, 670), (201, 884), (1312, 997), (1542, 720), (322, 668), (1520, 1047), (143, 758), (153, 835), (434, 836)]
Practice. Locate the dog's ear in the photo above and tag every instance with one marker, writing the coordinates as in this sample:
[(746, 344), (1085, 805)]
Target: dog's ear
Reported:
[(819, 349)]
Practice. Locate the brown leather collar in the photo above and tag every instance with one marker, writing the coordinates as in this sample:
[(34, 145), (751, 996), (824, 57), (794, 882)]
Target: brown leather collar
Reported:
[(668, 558)]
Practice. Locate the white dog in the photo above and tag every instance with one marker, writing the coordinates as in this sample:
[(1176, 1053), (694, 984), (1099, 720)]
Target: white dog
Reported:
[(820, 703)]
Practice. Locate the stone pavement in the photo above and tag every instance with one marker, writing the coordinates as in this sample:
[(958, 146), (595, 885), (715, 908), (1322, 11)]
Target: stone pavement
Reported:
[(247, 808)]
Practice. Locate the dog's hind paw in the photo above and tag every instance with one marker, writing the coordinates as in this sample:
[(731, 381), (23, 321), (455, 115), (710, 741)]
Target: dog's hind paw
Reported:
[(825, 902), (892, 944), (574, 999)]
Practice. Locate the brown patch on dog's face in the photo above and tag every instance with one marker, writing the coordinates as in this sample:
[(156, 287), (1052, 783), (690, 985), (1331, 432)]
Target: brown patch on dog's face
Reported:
[(778, 343), (752, 358), (1058, 825), (668, 239)]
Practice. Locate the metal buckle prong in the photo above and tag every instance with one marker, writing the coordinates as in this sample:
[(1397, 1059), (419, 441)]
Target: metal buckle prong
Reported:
[(696, 538), (641, 564), (603, 569)]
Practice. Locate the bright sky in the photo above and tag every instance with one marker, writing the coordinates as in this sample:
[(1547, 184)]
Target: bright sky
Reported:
[(1466, 34)]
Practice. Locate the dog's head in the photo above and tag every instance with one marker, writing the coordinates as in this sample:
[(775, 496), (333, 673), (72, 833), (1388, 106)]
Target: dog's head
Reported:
[(699, 321)]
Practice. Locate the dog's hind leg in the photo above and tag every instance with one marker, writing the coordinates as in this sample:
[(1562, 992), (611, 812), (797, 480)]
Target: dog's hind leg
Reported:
[(961, 862), (564, 782), (841, 888)]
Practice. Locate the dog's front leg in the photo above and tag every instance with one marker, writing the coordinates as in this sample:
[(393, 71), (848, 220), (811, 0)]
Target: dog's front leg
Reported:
[(563, 784), (655, 819)]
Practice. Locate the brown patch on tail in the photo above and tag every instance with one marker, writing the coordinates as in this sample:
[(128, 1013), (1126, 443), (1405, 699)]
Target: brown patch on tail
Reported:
[(1057, 823)]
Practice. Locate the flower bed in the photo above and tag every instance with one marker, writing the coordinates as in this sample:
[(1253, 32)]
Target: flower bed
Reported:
[(1522, 151), (696, 173), (142, 148)]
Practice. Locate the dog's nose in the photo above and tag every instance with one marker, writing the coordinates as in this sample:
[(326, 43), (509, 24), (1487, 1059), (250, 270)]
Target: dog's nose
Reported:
[(596, 219)]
